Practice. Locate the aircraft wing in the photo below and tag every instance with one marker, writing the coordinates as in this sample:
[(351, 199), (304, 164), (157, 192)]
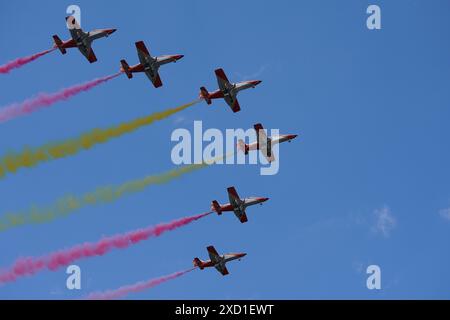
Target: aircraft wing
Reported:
[(264, 143), (242, 217), (234, 197), (225, 86), (233, 103), (270, 158), (260, 133), (88, 53), (154, 78), (238, 204), (213, 254), (222, 269), (222, 80), (91, 57), (142, 52)]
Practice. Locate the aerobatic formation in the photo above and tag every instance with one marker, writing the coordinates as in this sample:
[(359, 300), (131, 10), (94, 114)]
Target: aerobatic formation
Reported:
[(30, 157)]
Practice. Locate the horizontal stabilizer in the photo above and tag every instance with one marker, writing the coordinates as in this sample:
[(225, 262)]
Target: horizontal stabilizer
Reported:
[(204, 94), (126, 68), (59, 44), (216, 207), (198, 263)]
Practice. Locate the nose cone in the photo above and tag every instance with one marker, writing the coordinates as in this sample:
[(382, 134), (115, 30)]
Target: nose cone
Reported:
[(240, 255), (178, 56), (292, 136), (110, 31), (264, 199), (256, 82)]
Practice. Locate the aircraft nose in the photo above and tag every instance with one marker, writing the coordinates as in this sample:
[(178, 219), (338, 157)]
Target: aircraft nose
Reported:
[(179, 56), (256, 82), (242, 255), (111, 31), (264, 199), (293, 136)]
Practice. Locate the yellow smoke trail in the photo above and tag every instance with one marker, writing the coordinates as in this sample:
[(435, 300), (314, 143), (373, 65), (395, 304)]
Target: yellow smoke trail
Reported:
[(70, 203), (28, 158)]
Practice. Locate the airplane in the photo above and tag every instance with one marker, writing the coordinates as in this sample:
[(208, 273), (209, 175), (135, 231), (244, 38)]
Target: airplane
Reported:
[(148, 64), (217, 261), (80, 39), (237, 205), (264, 143), (227, 90)]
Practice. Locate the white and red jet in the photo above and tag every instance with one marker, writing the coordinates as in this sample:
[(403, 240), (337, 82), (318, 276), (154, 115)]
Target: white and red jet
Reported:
[(217, 261), (227, 90), (148, 64), (80, 39), (264, 143), (237, 205)]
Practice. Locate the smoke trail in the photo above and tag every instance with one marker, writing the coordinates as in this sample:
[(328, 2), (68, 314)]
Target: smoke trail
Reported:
[(19, 62), (27, 158), (71, 203), (43, 100), (137, 287), (30, 266)]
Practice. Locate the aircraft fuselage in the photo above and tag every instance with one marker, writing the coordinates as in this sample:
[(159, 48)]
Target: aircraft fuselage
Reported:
[(84, 40), (247, 202), (151, 65), (223, 259), (274, 140), (234, 89)]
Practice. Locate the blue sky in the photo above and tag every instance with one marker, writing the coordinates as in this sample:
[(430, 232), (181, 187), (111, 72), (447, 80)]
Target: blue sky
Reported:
[(365, 183)]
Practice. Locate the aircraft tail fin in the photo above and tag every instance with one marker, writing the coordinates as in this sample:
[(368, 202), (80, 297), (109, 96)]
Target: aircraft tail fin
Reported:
[(126, 68), (198, 263), (59, 44), (243, 146), (204, 94), (216, 207)]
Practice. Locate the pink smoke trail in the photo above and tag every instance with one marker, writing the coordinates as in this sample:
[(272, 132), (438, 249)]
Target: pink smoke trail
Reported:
[(30, 266), (43, 100), (137, 287), (19, 62)]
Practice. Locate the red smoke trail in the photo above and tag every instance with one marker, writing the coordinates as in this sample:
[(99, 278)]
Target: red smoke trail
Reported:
[(47, 99), (17, 63), (29, 265), (137, 287)]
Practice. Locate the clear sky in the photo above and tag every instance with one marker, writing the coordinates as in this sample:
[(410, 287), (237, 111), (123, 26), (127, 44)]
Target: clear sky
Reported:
[(366, 182)]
